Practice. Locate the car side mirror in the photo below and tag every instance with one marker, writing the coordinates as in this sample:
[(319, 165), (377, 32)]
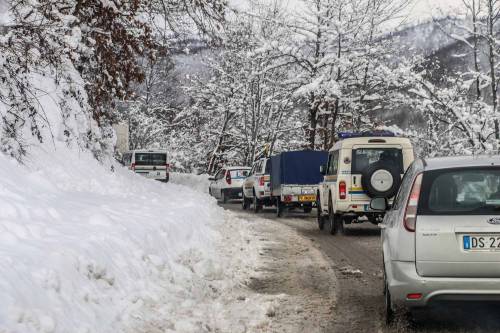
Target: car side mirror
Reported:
[(379, 204), (211, 179), (322, 169)]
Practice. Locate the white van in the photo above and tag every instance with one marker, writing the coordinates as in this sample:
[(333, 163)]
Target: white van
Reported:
[(151, 164)]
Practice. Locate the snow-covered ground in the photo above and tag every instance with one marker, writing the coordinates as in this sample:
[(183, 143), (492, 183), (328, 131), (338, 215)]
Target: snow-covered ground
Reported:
[(85, 249)]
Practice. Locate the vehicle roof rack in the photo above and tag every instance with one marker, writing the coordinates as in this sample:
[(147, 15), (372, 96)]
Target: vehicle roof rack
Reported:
[(348, 135)]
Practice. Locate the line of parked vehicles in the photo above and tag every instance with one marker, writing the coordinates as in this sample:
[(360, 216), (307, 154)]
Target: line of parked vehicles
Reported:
[(439, 217)]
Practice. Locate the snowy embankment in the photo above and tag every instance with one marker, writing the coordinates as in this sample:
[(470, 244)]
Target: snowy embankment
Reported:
[(85, 249)]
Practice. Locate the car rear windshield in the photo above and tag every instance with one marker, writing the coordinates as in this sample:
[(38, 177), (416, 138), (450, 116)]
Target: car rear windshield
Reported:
[(362, 158), (150, 159), (462, 191), (239, 174), (268, 167)]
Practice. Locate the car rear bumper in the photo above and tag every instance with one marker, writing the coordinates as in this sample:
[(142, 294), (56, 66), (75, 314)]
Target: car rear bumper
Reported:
[(233, 193), (405, 281)]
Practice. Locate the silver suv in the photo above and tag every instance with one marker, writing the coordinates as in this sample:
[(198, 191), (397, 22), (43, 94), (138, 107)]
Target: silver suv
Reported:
[(441, 237)]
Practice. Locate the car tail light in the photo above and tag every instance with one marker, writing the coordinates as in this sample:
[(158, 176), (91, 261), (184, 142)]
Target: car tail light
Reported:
[(410, 218), (132, 167), (342, 190), (261, 181), (228, 178), (167, 166), (414, 296), (287, 198)]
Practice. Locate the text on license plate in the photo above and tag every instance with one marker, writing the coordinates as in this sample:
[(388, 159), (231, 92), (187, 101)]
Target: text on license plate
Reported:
[(481, 242), (308, 197)]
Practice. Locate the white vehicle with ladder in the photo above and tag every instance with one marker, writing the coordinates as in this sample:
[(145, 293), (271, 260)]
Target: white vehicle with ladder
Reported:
[(360, 166)]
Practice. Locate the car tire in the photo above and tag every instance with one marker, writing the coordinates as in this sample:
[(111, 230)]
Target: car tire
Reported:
[(223, 196), (389, 310), (245, 204), (320, 217), (380, 167), (279, 208), (307, 209), (335, 223), (257, 205)]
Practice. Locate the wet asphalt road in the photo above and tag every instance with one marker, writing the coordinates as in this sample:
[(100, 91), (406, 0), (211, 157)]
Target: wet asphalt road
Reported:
[(356, 258)]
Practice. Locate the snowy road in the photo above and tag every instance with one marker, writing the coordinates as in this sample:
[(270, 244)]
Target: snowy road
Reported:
[(356, 260)]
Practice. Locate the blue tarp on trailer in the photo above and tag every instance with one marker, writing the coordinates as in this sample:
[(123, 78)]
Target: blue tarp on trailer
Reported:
[(297, 167)]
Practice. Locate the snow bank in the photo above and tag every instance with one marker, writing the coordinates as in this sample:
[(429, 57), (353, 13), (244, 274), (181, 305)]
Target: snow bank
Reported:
[(85, 249), (198, 183)]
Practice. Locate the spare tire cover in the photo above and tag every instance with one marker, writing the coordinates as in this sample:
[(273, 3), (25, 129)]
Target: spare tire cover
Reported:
[(381, 180)]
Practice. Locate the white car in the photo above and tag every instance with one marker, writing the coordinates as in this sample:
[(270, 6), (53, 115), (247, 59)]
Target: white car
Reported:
[(227, 183), (360, 166), (151, 164), (441, 236), (256, 187)]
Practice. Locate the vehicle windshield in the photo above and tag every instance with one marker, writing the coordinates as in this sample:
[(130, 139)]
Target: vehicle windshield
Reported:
[(362, 158), (239, 174), (469, 191), (150, 159)]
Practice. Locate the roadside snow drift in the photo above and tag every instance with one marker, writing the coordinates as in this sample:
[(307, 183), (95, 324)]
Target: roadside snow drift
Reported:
[(85, 249)]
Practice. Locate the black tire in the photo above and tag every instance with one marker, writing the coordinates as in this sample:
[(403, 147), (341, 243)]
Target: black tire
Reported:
[(389, 311), (319, 216), (245, 204), (335, 223), (279, 208), (223, 196), (257, 205), (307, 209), (371, 190)]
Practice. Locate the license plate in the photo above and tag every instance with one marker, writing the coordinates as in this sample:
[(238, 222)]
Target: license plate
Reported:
[(154, 174), (481, 243), (309, 197), (240, 194)]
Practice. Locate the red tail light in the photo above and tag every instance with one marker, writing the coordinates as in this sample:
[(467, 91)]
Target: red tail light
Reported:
[(287, 198), (132, 167), (410, 219), (228, 177), (414, 296), (261, 181), (342, 190)]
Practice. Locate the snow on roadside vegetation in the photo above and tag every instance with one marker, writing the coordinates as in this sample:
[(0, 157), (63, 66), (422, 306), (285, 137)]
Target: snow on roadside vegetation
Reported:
[(84, 249)]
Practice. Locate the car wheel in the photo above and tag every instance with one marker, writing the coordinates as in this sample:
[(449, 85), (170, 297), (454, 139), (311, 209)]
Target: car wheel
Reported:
[(321, 218), (257, 206), (389, 311), (223, 196), (331, 221), (244, 202), (279, 208), (339, 227), (307, 209)]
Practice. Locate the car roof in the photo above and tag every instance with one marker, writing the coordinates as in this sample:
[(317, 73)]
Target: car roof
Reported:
[(365, 140), (147, 151), (236, 168), (460, 161)]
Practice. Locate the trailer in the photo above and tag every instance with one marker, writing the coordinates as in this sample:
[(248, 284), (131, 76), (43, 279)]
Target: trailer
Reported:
[(295, 176)]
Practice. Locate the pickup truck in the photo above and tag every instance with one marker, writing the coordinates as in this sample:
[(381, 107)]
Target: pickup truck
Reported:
[(295, 176)]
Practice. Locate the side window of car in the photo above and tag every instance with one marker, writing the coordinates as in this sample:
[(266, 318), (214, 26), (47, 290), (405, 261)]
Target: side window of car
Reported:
[(406, 183), (333, 163), (222, 174)]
